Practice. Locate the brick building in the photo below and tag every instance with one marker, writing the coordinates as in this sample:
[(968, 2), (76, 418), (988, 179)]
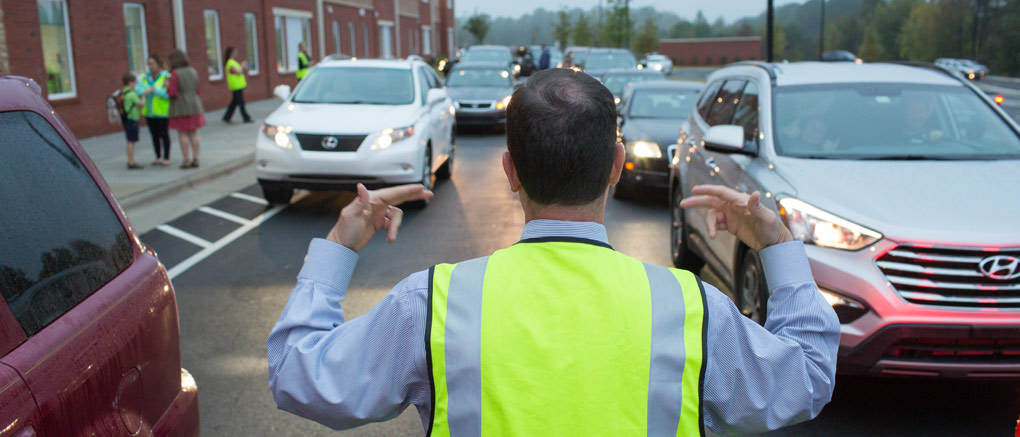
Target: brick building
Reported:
[(77, 50), (711, 51)]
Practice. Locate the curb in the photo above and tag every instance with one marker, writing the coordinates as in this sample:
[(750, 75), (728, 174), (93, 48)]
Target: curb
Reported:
[(152, 193)]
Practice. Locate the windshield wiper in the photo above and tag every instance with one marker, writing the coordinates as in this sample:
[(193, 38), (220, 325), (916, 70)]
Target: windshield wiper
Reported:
[(905, 157)]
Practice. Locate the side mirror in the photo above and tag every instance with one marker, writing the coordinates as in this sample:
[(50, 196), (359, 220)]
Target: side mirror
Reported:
[(725, 138), (619, 120), (435, 95), (282, 91)]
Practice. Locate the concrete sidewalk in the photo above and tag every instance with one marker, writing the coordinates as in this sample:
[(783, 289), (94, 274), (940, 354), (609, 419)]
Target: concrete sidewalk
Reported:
[(225, 148)]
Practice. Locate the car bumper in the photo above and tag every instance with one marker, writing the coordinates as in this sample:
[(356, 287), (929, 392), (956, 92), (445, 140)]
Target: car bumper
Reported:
[(398, 164), (182, 417), (648, 172), (481, 118), (897, 337)]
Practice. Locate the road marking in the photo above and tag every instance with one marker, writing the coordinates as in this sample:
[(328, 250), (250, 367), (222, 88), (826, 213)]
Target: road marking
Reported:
[(223, 215), (198, 241), (229, 238), (250, 198)]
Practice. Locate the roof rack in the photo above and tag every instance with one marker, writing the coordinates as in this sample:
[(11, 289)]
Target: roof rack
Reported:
[(771, 69), (929, 66)]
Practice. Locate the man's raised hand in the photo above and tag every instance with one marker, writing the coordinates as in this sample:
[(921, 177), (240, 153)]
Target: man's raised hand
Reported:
[(739, 213), (372, 211)]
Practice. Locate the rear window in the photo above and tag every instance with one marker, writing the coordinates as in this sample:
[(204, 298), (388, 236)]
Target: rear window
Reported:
[(357, 85), (487, 55), (479, 77), (60, 240), (601, 61)]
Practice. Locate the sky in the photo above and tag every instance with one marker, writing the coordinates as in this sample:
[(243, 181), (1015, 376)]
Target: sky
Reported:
[(729, 10)]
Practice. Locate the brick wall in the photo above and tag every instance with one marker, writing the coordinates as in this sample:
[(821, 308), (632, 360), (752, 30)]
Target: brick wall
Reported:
[(711, 51), (5, 66), (344, 15)]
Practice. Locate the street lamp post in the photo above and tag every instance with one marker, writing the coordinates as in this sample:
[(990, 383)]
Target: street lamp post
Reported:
[(821, 32), (768, 32)]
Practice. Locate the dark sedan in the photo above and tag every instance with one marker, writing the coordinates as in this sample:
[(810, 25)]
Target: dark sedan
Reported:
[(616, 79), (480, 92), (651, 114)]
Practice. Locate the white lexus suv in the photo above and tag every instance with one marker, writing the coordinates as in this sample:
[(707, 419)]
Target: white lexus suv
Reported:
[(376, 122)]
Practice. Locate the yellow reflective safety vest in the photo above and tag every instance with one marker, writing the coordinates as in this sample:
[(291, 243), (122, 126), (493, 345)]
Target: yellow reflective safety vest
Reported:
[(564, 336), (303, 61), (235, 81)]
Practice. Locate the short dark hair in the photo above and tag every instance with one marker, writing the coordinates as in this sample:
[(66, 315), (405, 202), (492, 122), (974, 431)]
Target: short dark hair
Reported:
[(128, 78), (561, 133), (178, 59), (155, 58)]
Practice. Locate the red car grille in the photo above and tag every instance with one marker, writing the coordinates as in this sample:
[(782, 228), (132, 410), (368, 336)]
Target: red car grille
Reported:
[(951, 276), (974, 351)]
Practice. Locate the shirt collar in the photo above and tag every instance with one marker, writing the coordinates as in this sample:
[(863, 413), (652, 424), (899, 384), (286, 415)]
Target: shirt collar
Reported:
[(559, 228)]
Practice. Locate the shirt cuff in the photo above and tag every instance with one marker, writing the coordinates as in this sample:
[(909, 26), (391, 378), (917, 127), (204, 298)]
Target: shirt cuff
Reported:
[(329, 263), (785, 264)]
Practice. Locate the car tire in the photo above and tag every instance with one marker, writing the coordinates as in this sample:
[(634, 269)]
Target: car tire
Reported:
[(683, 257), (751, 291), (276, 193), (426, 179), (446, 171)]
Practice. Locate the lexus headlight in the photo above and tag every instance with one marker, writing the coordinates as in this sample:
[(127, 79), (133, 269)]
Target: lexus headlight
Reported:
[(812, 225), (278, 134), (389, 136), (502, 104), (645, 149)]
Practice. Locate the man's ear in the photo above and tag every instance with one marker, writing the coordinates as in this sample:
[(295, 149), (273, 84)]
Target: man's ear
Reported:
[(511, 172), (618, 160)]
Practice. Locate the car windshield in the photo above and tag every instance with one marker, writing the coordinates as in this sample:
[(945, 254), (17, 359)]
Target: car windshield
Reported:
[(889, 121), (600, 61), (357, 85), (616, 82), (674, 104), (488, 55), (479, 77)]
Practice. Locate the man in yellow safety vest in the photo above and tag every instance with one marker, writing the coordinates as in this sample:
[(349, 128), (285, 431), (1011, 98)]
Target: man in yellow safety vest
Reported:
[(558, 334), (304, 62)]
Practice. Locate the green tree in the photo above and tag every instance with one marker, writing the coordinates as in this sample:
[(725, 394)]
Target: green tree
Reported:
[(562, 32), (648, 40), (701, 26), (582, 31), (616, 27), (478, 26), (682, 29), (871, 49), (842, 33)]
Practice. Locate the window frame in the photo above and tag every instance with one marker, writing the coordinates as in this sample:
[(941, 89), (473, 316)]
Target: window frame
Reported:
[(426, 40), (70, 58), (386, 51), (253, 66), (755, 141), (145, 35), (280, 16), (367, 39), (336, 37), (219, 48), (353, 31)]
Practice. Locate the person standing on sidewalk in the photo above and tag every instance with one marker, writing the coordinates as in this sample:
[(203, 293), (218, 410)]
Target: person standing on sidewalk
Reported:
[(236, 82), (304, 62), (186, 111), (157, 105), (132, 111)]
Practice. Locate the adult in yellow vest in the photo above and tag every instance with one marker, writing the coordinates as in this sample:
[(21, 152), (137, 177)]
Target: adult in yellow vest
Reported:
[(303, 60), (236, 82), (152, 87), (558, 334)]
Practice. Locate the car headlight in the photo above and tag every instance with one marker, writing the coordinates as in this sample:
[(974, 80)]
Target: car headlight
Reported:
[(390, 135), (279, 134), (812, 225), (617, 100), (645, 149), (502, 104)]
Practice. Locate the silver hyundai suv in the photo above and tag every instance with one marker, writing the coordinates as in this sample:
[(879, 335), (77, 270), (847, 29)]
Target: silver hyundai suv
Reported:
[(902, 180)]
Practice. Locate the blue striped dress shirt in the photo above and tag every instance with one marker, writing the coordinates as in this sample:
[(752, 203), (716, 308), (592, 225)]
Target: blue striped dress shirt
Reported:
[(369, 369)]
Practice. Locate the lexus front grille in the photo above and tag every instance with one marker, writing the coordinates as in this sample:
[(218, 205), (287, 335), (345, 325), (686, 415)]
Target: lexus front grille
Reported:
[(954, 276)]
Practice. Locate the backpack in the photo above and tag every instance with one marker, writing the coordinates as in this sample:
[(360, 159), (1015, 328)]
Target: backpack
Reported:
[(115, 107)]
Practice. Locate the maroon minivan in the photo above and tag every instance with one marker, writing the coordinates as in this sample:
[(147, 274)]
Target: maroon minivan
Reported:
[(89, 339)]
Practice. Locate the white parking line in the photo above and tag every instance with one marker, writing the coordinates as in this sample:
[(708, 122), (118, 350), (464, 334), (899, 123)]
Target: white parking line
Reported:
[(250, 198), (198, 241), (223, 215), (229, 238)]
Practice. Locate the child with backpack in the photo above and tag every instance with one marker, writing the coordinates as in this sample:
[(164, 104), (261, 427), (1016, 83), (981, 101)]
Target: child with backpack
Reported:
[(131, 111)]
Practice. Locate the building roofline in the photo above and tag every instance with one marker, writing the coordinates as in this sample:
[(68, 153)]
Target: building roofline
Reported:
[(722, 39)]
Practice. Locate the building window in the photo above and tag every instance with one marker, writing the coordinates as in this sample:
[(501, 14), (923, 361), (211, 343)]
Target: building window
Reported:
[(134, 27), (426, 41), (212, 44), (364, 34), (57, 56), (251, 43), (353, 33), (449, 42), (449, 4), (292, 28), (336, 38), (410, 42), (386, 39)]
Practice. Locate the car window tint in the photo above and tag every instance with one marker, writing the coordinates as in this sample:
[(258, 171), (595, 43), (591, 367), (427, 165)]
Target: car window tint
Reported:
[(746, 114), (707, 98), (725, 103), (61, 239)]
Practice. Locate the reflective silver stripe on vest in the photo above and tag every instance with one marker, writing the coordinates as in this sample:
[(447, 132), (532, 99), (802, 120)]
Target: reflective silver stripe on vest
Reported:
[(665, 375), (463, 348)]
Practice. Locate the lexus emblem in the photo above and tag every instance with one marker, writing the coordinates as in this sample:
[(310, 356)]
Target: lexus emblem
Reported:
[(330, 143), (1001, 267)]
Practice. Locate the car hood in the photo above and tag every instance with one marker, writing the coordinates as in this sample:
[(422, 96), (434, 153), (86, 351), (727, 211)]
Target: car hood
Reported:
[(478, 93), (663, 131), (342, 119), (955, 202)]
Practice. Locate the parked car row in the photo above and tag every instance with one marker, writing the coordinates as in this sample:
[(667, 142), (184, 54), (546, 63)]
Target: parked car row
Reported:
[(966, 67)]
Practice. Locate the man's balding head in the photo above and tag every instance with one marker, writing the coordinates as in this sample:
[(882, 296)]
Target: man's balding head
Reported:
[(561, 134)]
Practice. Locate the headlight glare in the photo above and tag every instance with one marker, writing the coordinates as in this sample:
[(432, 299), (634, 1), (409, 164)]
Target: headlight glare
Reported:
[(390, 135), (814, 226), (502, 104), (645, 149), (279, 134)]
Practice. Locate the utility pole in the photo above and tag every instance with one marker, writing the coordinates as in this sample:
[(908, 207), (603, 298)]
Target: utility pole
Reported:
[(821, 33), (768, 32), (626, 23)]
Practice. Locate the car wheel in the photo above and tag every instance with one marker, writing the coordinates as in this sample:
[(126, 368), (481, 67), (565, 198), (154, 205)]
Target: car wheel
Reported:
[(426, 179), (276, 193), (683, 257), (446, 171), (752, 293)]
